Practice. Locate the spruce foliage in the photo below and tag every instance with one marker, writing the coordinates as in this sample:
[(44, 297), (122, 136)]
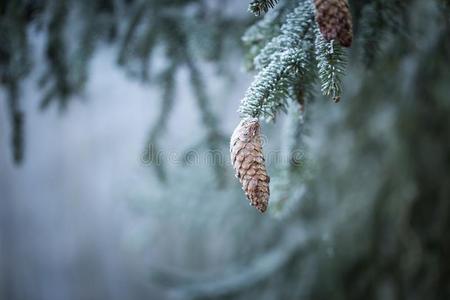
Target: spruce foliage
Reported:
[(298, 53)]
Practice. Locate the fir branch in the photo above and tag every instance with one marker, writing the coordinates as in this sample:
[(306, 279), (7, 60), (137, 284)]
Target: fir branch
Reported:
[(330, 63), (379, 18), (302, 91), (258, 100), (214, 138), (17, 123), (15, 64), (137, 15), (58, 74), (284, 60), (145, 51), (294, 33), (87, 45), (167, 80), (259, 34), (263, 30), (261, 6)]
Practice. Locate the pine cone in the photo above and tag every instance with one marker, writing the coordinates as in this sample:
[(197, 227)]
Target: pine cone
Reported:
[(248, 162), (335, 20)]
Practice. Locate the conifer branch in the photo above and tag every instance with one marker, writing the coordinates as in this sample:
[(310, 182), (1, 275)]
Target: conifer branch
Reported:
[(261, 6), (294, 33), (57, 77), (259, 34), (330, 63), (214, 138), (259, 99), (14, 65), (377, 19), (136, 18), (17, 123), (167, 80), (285, 59), (145, 50), (88, 43)]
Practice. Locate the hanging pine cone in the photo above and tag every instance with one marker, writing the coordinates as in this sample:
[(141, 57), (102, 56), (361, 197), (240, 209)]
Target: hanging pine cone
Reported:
[(335, 20), (248, 162)]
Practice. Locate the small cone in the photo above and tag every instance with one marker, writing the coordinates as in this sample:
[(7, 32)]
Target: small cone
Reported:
[(248, 162), (335, 21)]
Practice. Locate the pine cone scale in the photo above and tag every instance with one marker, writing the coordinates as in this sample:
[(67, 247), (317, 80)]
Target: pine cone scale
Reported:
[(334, 20)]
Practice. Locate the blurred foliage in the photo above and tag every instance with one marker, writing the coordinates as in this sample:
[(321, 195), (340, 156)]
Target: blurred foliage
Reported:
[(363, 200), (187, 32), (367, 213)]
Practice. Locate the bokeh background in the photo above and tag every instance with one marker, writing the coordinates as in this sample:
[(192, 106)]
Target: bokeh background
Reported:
[(87, 211)]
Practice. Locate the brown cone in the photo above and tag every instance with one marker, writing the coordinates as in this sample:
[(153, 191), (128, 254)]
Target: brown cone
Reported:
[(248, 161), (335, 20)]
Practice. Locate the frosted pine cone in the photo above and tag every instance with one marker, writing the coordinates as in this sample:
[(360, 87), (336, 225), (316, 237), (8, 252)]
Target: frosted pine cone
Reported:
[(248, 161), (335, 20)]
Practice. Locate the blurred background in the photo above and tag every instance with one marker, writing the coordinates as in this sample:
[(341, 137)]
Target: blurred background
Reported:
[(115, 179)]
